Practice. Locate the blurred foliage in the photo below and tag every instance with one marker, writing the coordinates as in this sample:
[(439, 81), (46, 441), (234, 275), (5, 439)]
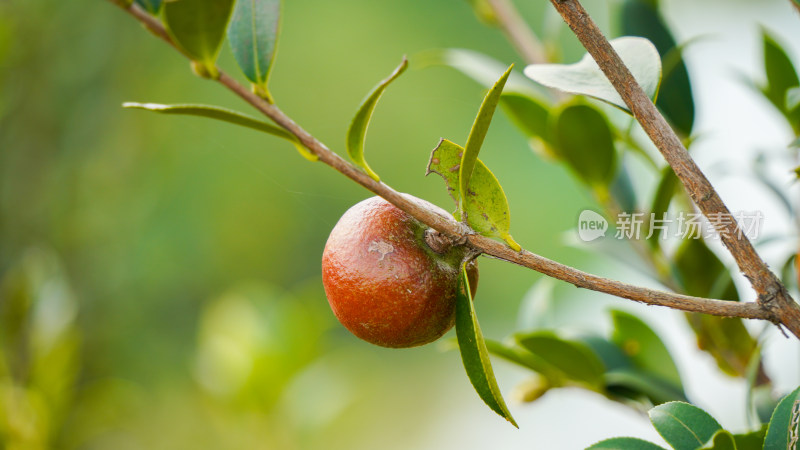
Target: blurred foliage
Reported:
[(159, 279)]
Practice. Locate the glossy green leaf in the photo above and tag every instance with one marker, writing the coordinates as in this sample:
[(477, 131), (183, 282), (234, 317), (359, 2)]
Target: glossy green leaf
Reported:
[(683, 426), (584, 140), (675, 100), (225, 115), (624, 443), (643, 346), (575, 361), (474, 354), (198, 28), (585, 77), (151, 6), (783, 422), (357, 132), (792, 99), (478, 133), (702, 274), (722, 440), (531, 116), (253, 35), (635, 383), (486, 208)]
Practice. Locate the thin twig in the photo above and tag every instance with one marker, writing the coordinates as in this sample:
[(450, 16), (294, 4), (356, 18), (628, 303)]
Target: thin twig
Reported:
[(455, 230), (772, 295), (518, 32)]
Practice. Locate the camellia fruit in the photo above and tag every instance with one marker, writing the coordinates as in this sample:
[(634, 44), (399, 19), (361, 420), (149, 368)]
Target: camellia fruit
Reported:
[(384, 281)]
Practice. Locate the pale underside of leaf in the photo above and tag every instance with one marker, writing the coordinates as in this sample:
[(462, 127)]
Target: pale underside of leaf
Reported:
[(357, 132), (225, 115), (585, 77)]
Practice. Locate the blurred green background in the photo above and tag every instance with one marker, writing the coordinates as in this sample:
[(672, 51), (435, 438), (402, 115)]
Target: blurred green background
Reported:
[(161, 275)]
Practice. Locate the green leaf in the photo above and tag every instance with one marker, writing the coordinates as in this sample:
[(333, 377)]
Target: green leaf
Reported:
[(584, 140), (357, 132), (634, 383), (643, 346), (792, 99), (575, 361), (683, 426), (624, 443), (474, 354), (622, 189), (531, 116), (702, 274), (518, 356), (753, 440), (781, 76), (225, 115), (722, 440), (478, 132), (253, 35), (151, 6), (778, 433), (486, 207), (585, 77), (198, 28), (640, 18)]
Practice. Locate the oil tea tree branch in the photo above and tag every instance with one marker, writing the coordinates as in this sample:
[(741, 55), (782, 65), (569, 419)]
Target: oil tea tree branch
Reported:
[(772, 295), (460, 233)]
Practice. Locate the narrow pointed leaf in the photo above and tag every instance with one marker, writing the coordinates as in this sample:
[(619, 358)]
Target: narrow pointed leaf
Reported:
[(584, 140), (683, 426), (151, 6), (642, 18), (225, 115), (478, 132), (357, 132), (780, 425), (585, 78), (486, 206), (474, 354), (624, 443), (198, 28), (644, 347), (253, 35)]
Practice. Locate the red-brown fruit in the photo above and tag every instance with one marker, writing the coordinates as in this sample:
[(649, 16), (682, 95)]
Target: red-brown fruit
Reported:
[(384, 283)]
